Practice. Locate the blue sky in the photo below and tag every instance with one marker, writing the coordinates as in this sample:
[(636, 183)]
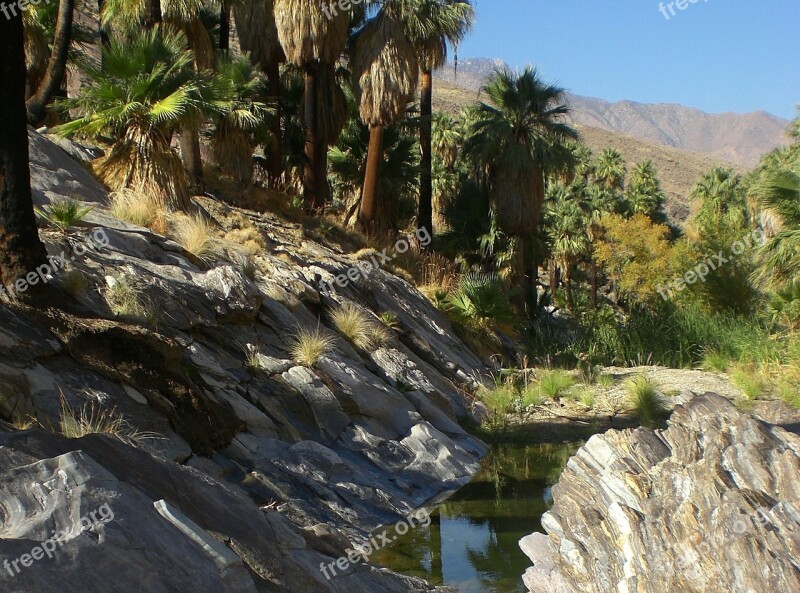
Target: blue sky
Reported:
[(716, 55)]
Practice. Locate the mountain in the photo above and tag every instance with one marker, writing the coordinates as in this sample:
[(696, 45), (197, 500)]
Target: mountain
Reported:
[(737, 138)]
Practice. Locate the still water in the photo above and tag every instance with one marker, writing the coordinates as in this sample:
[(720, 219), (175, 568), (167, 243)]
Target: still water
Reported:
[(472, 542)]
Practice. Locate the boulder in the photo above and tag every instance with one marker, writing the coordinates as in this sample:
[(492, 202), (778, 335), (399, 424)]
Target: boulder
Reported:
[(711, 504)]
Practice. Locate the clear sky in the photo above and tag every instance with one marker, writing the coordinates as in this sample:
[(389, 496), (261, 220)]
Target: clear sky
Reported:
[(716, 55)]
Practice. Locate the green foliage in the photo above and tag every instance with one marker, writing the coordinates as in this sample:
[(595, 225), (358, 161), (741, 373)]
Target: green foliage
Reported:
[(645, 400), (64, 213)]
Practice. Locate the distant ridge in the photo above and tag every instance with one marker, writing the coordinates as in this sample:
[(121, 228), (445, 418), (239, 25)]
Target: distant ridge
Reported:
[(737, 138)]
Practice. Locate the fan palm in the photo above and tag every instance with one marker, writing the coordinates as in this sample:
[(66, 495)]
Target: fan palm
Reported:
[(385, 68), (431, 25), (242, 116), (779, 193), (566, 230), (258, 35), (312, 40), (144, 91), (609, 169), (644, 193), (515, 142), (52, 77)]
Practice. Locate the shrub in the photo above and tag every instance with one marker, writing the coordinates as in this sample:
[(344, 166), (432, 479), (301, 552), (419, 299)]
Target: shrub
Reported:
[(645, 400), (64, 213), (309, 345)]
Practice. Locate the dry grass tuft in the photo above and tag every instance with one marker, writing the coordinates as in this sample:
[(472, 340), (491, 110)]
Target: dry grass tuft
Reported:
[(358, 327), (195, 234), (309, 345), (139, 208)]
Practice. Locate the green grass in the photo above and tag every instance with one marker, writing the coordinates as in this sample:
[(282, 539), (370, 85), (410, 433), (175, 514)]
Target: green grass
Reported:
[(715, 360), (790, 393), (645, 400), (126, 301), (748, 380), (605, 381), (65, 213), (553, 383)]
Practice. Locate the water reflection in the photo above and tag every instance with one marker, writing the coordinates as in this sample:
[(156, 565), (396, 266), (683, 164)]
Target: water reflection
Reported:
[(472, 542)]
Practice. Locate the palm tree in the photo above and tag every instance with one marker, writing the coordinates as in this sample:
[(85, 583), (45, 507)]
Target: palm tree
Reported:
[(21, 251), (385, 68), (644, 194), (312, 40), (779, 194), (241, 117), (258, 35), (566, 229), (57, 65), (431, 26), (596, 203), (144, 92), (722, 199), (609, 169), (516, 142)]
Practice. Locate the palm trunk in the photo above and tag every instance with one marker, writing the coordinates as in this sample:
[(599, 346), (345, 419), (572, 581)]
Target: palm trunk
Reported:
[(191, 157), (56, 68), (553, 279), (311, 194), (369, 193), (275, 158), (225, 25), (425, 215), (21, 251), (323, 187), (153, 16), (105, 40), (568, 286), (594, 284)]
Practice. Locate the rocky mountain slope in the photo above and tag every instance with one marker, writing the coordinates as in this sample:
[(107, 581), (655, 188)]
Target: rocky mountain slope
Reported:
[(739, 138), (711, 504), (242, 470)]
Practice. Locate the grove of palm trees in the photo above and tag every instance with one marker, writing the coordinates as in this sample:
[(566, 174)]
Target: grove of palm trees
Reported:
[(250, 151)]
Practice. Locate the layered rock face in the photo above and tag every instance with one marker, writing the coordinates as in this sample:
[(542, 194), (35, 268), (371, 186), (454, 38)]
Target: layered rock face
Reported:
[(222, 419), (710, 504)]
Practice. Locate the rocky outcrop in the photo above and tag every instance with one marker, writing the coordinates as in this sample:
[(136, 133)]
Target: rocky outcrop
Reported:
[(711, 504), (218, 415)]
